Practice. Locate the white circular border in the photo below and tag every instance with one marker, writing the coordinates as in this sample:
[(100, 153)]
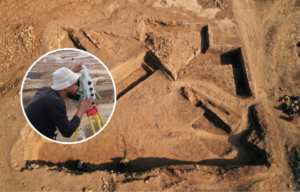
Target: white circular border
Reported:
[(115, 96)]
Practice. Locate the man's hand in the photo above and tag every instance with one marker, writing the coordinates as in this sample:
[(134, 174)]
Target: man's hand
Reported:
[(84, 106), (77, 67)]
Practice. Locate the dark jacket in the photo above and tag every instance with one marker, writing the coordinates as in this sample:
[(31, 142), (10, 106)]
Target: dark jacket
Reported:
[(46, 111)]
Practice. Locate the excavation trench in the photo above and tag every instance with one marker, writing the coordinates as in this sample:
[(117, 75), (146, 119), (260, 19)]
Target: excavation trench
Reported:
[(204, 39), (35, 75), (216, 120), (253, 139), (142, 69), (294, 162), (75, 39), (136, 165), (145, 69), (236, 59), (298, 49), (217, 116), (248, 155)]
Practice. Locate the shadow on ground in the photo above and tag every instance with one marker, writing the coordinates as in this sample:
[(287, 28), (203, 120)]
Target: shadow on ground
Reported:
[(137, 165)]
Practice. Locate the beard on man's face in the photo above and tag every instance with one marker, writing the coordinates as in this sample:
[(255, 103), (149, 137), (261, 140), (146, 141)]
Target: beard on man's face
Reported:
[(72, 95)]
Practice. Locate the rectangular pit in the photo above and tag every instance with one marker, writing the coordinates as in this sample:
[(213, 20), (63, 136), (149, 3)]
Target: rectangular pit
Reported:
[(146, 69), (212, 116), (152, 58), (216, 116), (236, 59), (204, 39)]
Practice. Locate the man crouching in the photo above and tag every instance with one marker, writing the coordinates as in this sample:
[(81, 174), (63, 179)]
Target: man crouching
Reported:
[(46, 111)]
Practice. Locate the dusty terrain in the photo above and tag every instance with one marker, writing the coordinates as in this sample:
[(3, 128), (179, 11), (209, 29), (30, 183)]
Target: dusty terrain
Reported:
[(198, 84), (40, 75)]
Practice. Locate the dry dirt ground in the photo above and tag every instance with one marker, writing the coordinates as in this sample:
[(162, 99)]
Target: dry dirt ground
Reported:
[(40, 75), (198, 84)]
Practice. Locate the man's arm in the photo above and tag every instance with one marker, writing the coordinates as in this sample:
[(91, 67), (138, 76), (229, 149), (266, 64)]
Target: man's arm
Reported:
[(58, 112), (59, 116), (83, 107)]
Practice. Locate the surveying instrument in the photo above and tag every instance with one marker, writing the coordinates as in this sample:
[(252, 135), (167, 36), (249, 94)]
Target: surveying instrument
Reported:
[(85, 91)]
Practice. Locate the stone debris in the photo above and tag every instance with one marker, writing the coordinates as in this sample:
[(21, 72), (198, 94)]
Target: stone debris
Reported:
[(105, 182), (171, 54), (160, 46), (161, 49), (34, 166), (96, 37), (139, 30), (19, 42), (156, 22)]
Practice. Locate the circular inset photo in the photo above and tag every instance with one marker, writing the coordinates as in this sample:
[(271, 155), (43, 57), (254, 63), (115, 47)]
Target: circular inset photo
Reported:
[(68, 96)]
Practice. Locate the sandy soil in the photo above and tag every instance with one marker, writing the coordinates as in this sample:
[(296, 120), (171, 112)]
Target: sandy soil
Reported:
[(198, 84)]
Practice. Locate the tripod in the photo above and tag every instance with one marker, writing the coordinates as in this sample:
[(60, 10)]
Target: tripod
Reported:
[(95, 113), (86, 90)]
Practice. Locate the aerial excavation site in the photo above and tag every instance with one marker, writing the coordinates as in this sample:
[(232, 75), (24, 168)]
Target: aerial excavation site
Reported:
[(207, 95)]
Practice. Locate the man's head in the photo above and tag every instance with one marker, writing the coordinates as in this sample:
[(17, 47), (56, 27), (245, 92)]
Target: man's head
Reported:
[(71, 91), (66, 81)]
